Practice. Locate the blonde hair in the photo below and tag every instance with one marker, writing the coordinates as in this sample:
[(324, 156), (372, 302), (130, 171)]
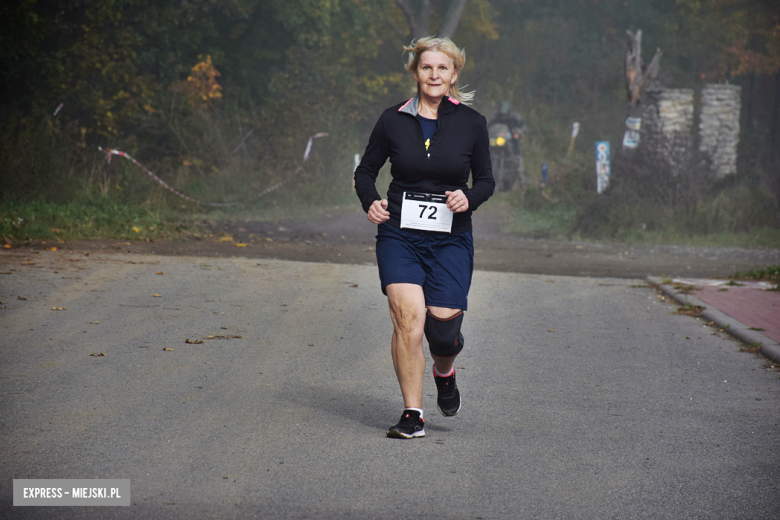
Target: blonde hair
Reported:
[(448, 47)]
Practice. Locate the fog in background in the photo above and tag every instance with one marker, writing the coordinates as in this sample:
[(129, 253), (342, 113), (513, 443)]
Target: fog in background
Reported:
[(219, 98)]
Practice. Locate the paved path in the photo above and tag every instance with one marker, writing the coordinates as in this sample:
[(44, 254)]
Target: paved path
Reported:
[(583, 397)]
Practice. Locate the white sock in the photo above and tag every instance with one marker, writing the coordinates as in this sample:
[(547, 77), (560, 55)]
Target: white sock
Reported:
[(416, 410), (436, 372)]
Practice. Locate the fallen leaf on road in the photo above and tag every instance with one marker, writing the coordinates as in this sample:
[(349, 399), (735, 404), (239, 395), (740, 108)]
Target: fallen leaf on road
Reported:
[(59, 309), (5, 272), (167, 349), (98, 354), (226, 239), (239, 244), (93, 323), (217, 336), (193, 341), (691, 310), (157, 295), (550, 330), (354, 285), (22, 298), (159, 272)]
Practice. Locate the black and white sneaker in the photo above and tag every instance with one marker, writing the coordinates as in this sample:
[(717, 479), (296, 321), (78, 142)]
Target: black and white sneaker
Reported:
[(411, 425), (448, 399)]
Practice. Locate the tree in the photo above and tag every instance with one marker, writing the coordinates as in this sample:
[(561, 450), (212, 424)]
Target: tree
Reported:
[(418, 17), (639, 76)]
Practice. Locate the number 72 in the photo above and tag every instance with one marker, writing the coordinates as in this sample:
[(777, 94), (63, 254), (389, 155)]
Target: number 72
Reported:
[(433, 209)]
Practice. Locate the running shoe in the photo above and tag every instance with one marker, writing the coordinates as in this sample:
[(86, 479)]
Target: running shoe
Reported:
[(448, 399), (411, 425)]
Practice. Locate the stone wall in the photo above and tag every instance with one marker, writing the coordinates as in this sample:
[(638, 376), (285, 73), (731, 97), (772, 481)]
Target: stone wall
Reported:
[(667, 122), (719, 126)]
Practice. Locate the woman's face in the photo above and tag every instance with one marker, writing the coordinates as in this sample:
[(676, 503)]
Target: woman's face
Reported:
[(435, 73)]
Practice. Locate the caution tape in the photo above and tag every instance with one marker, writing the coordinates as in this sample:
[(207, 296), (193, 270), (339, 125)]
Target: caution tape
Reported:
[(109, 152), (311, 140)]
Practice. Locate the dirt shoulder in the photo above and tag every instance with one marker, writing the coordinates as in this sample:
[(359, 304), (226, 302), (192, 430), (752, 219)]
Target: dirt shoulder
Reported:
[(345, 237)]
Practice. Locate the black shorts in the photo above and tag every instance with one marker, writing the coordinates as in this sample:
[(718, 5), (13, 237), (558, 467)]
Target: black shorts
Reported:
[(441, 264)]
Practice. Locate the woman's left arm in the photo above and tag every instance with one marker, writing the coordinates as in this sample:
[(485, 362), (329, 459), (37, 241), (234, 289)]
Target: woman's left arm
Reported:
[(482, 182)]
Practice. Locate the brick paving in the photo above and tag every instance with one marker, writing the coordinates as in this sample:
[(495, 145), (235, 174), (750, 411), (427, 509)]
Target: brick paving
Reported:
[(750, 303)]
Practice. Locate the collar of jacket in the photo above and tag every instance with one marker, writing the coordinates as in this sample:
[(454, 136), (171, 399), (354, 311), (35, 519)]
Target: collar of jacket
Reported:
[(410, 107)]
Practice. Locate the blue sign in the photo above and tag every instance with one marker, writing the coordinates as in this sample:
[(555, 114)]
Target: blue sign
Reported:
[(602, 165)]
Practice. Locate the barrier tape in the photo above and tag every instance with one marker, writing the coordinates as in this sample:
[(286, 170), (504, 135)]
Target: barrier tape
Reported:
[(109, 152)]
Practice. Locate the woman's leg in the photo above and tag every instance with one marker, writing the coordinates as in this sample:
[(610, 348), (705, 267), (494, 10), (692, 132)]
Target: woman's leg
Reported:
[(443, 364), (407, 310)]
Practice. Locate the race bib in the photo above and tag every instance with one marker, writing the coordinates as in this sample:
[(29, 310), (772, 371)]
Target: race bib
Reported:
[(426, 211)]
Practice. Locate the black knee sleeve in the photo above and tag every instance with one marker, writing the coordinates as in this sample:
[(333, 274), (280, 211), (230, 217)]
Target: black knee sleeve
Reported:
[(443, 334)]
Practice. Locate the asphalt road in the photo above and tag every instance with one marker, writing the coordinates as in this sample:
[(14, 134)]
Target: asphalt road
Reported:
[(583, 397)]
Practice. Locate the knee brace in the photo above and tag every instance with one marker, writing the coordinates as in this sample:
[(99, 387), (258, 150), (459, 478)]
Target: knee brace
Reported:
[(443, 334)]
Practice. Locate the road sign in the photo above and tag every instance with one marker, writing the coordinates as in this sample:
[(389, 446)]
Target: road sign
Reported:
[(602, 165)]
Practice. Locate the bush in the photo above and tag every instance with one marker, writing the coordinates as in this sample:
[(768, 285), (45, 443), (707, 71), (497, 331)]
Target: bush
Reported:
[(674, 194)]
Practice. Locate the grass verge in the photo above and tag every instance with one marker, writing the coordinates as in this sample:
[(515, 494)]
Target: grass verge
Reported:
[(85, 218)]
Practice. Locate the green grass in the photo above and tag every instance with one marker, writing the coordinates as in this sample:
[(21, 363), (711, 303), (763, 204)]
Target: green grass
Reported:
[(86, 218), (553, 221), (754, 239), (769, 274), (528, 214)]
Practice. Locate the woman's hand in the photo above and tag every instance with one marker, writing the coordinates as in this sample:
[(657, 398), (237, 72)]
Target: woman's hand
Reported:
[(457, 201), (378, 213)]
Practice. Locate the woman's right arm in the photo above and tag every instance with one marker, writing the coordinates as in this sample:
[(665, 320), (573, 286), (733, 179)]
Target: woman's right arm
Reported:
[(373, 159)]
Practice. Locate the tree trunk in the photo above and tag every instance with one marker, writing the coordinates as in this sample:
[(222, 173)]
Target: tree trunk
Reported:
[(776, 119), (418, 17), (452, 18), (638, 76)]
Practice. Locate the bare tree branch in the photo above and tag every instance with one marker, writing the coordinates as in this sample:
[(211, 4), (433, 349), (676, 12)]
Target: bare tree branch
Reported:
[(638, 76), (418, 16), (633, 66), (652, 70), (452, 18)]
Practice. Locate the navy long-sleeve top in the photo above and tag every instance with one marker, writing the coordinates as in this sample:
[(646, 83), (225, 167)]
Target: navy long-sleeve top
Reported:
[(460, 146)]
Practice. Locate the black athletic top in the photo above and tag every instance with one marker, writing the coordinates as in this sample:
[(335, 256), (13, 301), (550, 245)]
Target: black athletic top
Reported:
[(459, 146)]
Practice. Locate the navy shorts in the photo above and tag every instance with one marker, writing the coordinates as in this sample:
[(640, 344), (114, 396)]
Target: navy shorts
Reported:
[(441, 264)]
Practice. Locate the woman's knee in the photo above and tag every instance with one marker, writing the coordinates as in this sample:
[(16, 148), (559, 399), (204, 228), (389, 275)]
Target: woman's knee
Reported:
[(407, 311)]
